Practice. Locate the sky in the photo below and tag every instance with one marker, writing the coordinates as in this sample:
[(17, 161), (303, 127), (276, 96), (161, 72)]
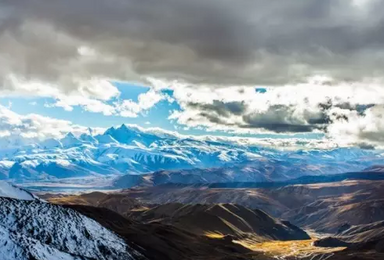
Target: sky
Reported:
[(263, 68)]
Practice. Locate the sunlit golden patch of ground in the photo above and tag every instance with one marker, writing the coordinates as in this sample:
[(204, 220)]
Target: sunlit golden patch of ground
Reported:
[(284, 249), (70, 200), (216, 235), (142, 208)]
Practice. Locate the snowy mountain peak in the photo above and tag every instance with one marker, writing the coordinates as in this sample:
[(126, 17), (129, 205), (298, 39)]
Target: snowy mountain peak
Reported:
[(123, 134), (123, 127), (15, 141), (70, 135), (88, 138), (10, 191), (70, 140), (105, 139), (129, 129), (90, 131), (50, 143), (133, 149)]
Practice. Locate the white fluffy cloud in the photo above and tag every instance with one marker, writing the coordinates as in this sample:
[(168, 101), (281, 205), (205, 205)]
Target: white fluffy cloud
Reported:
[(147, 100), (358, 128), (34, 127), (351, 113), (92, 95)]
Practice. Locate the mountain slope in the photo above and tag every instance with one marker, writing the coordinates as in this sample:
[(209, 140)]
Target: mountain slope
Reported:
[(328, 206), (363, 233), (158, 241), (10, 191), (113, 201), (363, 242), (226, 219), (221, 219), (290, 202), (39, 230), (331, 216), (375, 168), (251, 175)]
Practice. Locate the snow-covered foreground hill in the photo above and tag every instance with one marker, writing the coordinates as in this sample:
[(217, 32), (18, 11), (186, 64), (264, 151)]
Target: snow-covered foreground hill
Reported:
[(32, 229), (131, 150), (8, 190)]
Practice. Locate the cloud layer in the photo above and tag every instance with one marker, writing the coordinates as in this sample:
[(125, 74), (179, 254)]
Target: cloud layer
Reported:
[(219, 41), (351, 113), (17, 127), (72, 50), (18, 130)]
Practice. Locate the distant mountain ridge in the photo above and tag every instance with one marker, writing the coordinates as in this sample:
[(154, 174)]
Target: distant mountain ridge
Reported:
[(127, 149), (240, 176)]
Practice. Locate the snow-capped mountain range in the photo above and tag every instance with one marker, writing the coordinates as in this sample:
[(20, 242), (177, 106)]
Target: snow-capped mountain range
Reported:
[(127, 149), (33, 229)]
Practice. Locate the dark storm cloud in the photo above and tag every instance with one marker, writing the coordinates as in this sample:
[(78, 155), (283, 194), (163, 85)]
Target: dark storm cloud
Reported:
[(327, 106), (365, 146), (277, 118), (221, 108), (281, 127), (358, 107), (282, 118), (216, 41)]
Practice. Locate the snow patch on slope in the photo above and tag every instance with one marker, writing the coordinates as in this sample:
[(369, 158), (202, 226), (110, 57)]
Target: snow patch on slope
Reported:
[(6, 164), (38, 230), (10, 191), (13, 247)]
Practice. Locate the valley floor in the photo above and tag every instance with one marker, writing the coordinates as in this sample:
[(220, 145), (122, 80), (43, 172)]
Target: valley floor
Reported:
[(295, 249), (185, 222)]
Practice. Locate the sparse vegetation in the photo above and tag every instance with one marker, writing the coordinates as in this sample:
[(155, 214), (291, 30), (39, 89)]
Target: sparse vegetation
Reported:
[(287, 249)]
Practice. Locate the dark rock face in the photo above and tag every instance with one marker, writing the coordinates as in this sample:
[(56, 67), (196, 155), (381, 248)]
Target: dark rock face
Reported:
[(330, 242), (343, 228)]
